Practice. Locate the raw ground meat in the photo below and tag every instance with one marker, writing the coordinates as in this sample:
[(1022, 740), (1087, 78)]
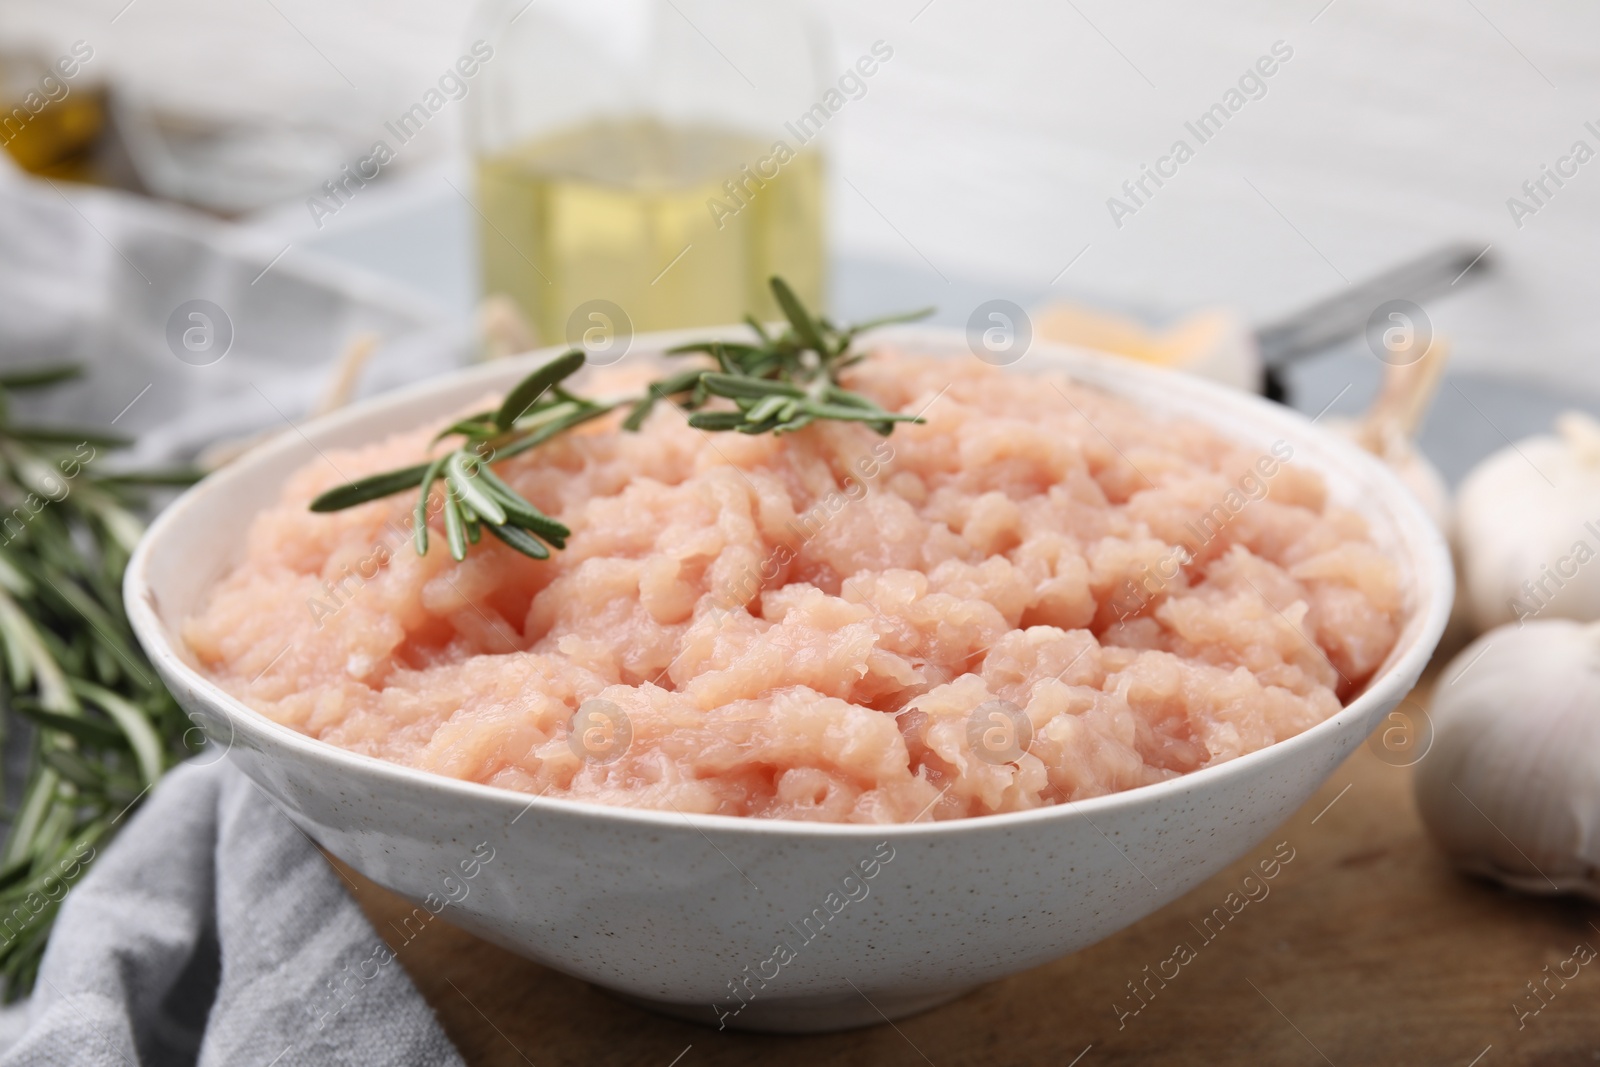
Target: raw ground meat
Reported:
[(820, 626)]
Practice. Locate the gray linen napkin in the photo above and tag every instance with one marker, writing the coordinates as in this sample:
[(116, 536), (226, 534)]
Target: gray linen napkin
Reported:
[(212, 932)]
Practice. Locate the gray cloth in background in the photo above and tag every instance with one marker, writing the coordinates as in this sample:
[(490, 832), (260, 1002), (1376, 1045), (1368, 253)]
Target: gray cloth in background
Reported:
[(107, 280), (211, 931)]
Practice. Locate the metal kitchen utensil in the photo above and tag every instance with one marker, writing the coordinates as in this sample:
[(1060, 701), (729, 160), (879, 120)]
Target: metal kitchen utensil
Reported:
[(1337, 318)]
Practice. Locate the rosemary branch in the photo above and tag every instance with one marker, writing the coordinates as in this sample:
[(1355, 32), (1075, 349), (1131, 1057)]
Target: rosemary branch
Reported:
[(781, 384), (104, 728)]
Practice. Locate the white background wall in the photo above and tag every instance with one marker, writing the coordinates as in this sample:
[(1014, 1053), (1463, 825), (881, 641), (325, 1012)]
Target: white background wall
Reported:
[(1393, 128), (992, 140)]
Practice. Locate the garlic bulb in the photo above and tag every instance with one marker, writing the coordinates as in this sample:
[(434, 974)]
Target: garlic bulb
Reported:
[(1511, 785), (1387, 429), (1528, 526)]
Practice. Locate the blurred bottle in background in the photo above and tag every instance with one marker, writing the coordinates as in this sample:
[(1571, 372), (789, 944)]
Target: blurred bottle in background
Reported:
[(639, 151), (49, 121)]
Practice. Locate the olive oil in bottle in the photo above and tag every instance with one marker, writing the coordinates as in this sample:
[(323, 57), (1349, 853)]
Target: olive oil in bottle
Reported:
[(676, 225), (49, 124)]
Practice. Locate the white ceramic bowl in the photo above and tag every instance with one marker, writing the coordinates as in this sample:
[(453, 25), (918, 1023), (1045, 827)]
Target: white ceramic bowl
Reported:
[(687, 913)]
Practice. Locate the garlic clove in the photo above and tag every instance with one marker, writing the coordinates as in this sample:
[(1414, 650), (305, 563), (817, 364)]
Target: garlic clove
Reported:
[(1581, 433), (1407, 460), (1389, 427), (1510, 788), (1527, 528), (502, 329)]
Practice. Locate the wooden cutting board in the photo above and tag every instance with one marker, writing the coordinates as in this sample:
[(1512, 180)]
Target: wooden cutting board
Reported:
[(1367, 949)]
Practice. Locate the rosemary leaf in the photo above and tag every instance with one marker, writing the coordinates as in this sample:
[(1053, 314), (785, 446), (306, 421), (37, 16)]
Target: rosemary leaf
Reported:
[(419, 531), (362, 490), (712, 348), (521, 540), (571, 419), (844, 413), (455, 526), (675, 385), (521, 513), (472, 426), (34, 377), (462, 482), (844, 396), (11, 875), (766, 425), (85, 730), (717, 420), (74, 768), (42, 670), (18, 651), (736, 386), (805, 327), (135, 728), (530, 389), (640, 411), (66, 435), (37, 798), (773, 407), (760, 330), (53, 831), (12, 580)]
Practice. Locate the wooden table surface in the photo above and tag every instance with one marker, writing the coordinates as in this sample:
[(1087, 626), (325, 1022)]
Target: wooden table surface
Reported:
[(1368, 949)]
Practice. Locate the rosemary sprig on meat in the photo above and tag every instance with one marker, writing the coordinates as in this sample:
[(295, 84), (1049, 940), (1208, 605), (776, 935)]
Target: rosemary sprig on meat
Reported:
[(780, 383), (104, 728)]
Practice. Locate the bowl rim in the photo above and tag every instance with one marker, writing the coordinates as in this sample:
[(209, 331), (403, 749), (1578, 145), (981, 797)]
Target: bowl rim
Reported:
[(1434, 611)]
